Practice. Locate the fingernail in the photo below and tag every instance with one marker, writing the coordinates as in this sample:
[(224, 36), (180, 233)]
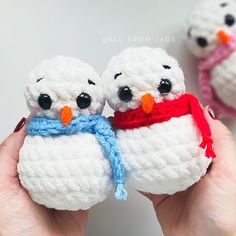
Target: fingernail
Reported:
[(211, 113), (20, 125)]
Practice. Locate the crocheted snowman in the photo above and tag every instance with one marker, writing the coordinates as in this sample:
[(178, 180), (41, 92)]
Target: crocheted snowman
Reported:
[(159, 126), (70, 157), (211, 35)]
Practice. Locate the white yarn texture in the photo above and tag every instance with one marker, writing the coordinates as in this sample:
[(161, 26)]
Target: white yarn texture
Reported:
[(64, 79), (208, 18), (163, 158), (65, 172), (142, 70), (224, 80)]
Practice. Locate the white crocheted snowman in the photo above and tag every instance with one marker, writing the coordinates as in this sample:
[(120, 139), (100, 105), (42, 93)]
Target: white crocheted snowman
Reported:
[(211, 36), (69, 156), (159, 126)]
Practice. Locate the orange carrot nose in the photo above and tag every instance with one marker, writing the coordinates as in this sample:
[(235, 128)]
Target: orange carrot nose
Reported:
[(66, 115), (147, 103), (223, 36)]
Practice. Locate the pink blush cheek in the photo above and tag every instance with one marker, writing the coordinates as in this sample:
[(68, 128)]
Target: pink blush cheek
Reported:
[(92, 111), (36, 110), (118, 106)]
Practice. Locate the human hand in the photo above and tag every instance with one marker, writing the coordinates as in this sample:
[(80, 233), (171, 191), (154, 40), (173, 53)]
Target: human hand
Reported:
[(19, 215), (209, 207)]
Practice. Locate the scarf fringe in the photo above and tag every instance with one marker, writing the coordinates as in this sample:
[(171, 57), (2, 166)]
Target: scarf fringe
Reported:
[(121, 193)]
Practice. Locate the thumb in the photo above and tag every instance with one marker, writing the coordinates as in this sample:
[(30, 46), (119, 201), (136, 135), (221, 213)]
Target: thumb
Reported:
[(9, 150), (224, 144)]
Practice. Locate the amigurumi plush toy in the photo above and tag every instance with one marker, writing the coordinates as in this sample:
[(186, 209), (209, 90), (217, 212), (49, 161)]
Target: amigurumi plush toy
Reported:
[(70, 156), (211, 35), (164, 138)]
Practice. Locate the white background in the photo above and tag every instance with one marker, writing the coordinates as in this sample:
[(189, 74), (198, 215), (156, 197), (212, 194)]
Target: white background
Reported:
[(94, 31)]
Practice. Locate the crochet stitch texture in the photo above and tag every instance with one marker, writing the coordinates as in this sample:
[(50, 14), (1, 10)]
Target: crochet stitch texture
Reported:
[(163, 112), (213, 77), (94, 124), (69, 159), (160, 156), (214, 24)]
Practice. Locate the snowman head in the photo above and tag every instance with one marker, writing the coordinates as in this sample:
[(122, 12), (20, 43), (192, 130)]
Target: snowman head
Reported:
[(63, 88), (211, 23), (141, 77)]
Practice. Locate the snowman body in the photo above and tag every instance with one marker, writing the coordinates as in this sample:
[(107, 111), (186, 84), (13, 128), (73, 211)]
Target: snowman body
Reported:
[(67, 172), (223, 80), (211, 36), (163, 158), (69, 159), (164, 137)]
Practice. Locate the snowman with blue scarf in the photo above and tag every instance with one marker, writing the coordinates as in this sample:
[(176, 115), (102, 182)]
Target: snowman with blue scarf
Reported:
[(70, 159)]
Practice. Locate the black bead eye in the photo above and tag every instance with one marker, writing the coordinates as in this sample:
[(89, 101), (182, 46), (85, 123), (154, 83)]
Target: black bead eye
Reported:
[(125, 94), (229, 20), (165, 86), (202, 42), (83, 100), (45, 101)]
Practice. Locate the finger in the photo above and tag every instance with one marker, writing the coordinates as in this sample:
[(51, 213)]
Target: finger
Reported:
[(9, 150), (64, 218), (155, 199), (224, 144)]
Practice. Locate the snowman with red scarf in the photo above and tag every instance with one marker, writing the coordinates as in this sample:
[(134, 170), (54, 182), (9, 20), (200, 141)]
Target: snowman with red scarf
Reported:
[(164, 137)]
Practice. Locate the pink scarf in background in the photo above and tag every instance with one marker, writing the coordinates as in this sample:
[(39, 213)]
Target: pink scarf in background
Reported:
[(222, 52)]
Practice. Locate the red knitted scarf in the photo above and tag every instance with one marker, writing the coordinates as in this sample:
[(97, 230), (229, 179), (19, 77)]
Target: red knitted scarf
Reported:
[(164, 111)]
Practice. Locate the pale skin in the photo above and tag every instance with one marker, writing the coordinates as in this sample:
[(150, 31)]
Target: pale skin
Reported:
[(207, 208)]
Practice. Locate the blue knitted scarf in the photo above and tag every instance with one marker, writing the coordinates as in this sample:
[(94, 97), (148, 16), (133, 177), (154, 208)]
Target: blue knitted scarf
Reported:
[(93, 124)]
